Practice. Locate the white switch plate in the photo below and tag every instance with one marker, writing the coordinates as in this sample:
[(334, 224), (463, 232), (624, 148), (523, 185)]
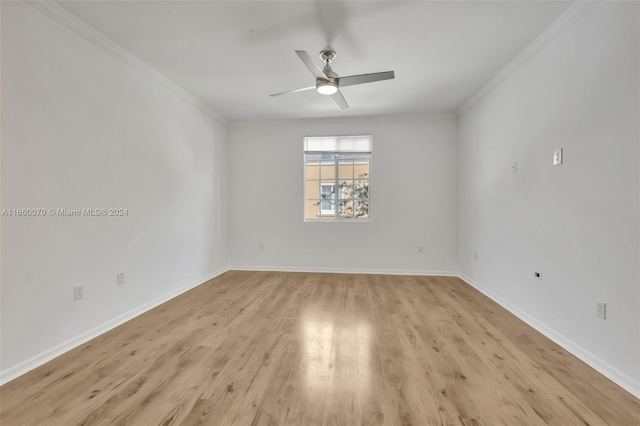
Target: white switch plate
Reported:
[(601, 309), (557, 157), (78, 292), (120, 278)]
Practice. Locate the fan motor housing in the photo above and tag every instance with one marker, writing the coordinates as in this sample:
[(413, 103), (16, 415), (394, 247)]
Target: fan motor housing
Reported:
[(327, 55)]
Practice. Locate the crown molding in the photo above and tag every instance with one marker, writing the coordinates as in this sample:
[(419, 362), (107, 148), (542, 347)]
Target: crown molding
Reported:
[(572, 15), (84, 30), (287, 122)]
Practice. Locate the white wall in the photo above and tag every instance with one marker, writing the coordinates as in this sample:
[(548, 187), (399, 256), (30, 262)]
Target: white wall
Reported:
[(81, 128), (413, 198), (576, 223)]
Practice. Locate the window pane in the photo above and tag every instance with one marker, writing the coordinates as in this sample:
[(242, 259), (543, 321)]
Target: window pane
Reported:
[(313, 189), (345, 208), (361, 189), (313, 170), (345, 169), (327, 188), (328, 171), (345, 156), (346, 189), (361, 209), (327, 198), (312, 209), (320, 208), (327, 207), (361, 170)]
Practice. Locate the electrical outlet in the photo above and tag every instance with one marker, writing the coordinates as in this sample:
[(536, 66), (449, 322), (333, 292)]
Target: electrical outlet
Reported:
[(78, 292), (120, 278), (601, 309), (537, 275), (420, 249), (557, 157)]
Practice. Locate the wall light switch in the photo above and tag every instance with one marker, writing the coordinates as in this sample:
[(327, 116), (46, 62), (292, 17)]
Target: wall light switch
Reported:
[(557, 157), (601, 309), (78, 292)]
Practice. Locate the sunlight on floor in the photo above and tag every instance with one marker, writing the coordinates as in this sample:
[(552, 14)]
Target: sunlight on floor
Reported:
[(334, 352)]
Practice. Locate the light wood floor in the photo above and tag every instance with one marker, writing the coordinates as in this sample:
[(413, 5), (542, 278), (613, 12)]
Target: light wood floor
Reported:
[(274, 348)]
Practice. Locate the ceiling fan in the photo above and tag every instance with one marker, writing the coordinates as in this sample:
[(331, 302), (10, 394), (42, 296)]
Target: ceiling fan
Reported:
[(329, 83)]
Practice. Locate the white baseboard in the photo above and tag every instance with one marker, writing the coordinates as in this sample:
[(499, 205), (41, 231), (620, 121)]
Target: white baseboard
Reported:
[(46, 356), (344, 270), (621, 379)]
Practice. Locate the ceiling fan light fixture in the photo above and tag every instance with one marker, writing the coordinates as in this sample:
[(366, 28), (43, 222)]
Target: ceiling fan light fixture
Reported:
[(326, 87), (328, 83)]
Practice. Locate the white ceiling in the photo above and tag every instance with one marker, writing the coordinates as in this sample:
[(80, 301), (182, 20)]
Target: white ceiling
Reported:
[(233, 54)]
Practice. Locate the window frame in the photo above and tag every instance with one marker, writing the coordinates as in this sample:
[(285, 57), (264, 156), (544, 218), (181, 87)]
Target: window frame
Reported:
[(321, 217)]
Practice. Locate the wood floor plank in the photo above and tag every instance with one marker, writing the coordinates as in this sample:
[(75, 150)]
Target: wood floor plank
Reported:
[(275, 348)]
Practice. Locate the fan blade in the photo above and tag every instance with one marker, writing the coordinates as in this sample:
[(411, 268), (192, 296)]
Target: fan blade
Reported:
[(351, 80), (338, 99), (294, 91), (313, 67)]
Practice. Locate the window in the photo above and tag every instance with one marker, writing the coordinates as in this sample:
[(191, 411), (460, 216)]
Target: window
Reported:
[(337, 178)]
